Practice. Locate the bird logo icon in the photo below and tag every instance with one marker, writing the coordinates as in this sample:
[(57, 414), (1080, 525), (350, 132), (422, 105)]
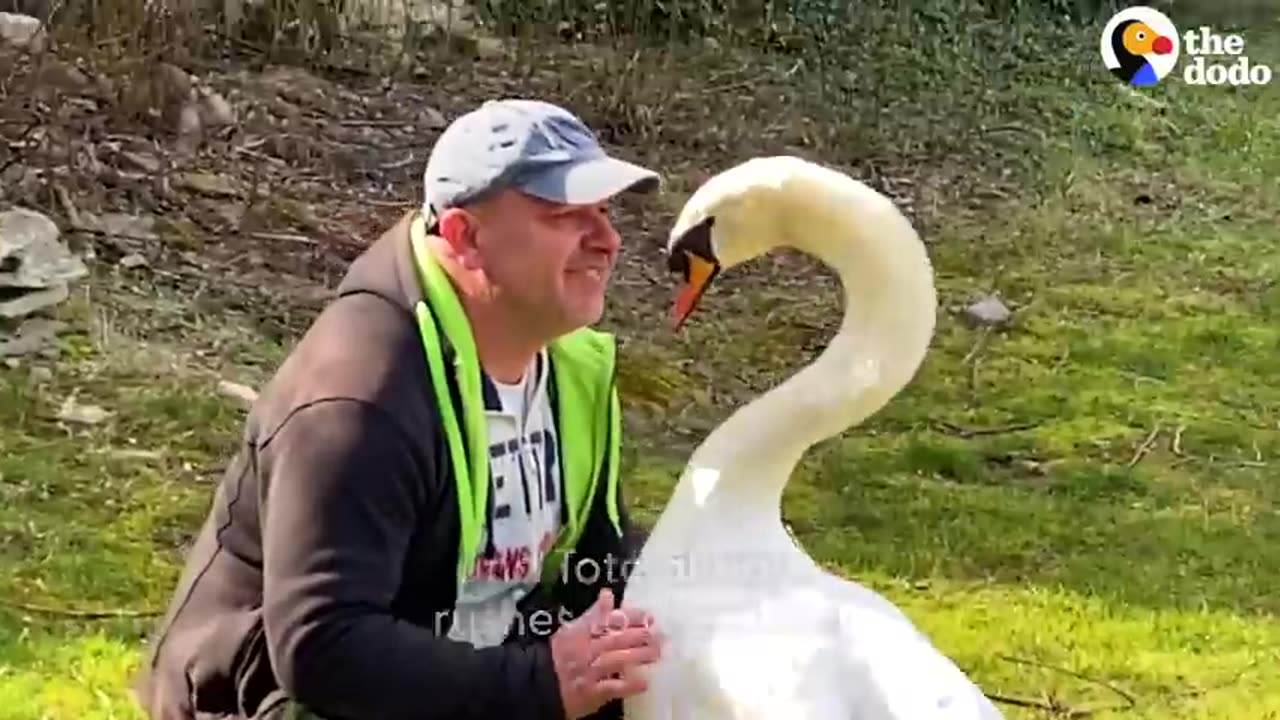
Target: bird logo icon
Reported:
[(1140, 45)]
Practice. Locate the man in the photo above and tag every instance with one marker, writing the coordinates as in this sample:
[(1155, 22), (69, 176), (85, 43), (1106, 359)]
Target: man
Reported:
[(424, 519)]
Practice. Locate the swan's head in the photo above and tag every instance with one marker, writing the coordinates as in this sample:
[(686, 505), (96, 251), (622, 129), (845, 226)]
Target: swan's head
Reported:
[(733, 217)]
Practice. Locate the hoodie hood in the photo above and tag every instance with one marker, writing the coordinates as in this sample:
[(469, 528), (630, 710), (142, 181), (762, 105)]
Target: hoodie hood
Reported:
[(386, 268)]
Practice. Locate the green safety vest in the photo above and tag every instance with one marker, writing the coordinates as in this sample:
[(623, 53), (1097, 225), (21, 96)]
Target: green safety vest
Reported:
[(588, 414)]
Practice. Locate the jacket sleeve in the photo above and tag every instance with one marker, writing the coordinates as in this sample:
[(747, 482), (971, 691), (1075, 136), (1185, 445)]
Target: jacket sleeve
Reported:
[(343, 498)]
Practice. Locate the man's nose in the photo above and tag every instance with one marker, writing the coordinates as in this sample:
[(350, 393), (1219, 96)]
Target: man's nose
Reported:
[(604, 236)]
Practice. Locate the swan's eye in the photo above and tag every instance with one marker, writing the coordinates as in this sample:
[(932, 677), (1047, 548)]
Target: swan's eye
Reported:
[(678, 262), (696, 241)]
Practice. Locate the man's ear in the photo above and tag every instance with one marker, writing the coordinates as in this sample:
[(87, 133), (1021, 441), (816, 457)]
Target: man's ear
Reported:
[(458, 229)]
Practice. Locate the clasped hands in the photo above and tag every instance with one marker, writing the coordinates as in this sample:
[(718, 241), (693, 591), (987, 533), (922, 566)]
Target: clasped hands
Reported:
[(600, 656)]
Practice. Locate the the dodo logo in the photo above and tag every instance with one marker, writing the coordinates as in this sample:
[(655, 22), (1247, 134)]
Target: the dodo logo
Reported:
[(1140, 45)]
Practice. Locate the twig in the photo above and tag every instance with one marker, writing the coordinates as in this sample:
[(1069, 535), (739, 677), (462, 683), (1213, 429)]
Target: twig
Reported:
[(110, 235), (1145, 447), (246, 150), (373, 123), (736, 85), (397, 164), (287, 237), (31, 126), (64, 198), (1050, 705), (965, 432), (1129, 698), (83, 614), (1176, 445), (977, 345)]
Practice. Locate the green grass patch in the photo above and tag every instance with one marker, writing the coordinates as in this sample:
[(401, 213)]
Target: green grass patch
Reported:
[(94, 516)]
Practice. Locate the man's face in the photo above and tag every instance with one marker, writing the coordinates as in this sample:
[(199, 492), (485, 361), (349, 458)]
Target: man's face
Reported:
[(547, 262)]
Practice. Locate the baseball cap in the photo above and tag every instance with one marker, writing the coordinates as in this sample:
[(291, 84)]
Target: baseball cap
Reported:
[(528, 145)]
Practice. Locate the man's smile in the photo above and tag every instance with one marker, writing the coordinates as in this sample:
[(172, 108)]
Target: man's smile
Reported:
[(596, 273)]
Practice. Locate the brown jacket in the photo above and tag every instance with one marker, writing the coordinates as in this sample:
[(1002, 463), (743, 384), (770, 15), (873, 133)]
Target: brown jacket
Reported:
[(329, 552)]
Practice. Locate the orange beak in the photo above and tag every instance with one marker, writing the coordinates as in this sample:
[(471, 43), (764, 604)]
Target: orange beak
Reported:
[(700, 274)]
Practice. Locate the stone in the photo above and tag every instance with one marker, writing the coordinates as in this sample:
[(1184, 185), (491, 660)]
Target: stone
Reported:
[(22, 31), (30, 337), (142, 161), (988, 311), (432, 119), (133, 260), (73, 412), (215, 111), (236, 391), (20, 302), (209, 184), (32, 256)]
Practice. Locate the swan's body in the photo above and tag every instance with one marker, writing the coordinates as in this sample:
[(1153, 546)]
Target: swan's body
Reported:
[(753, 627)]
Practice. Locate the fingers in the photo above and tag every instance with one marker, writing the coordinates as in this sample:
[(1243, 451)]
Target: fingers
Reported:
[(622, 639), (627, 684), (602, 655), (604, 602), (620, 619), (620, 652), (621, 662)]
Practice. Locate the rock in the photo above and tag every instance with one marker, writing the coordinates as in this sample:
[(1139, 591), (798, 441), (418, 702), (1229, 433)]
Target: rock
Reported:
[(489, 47), (73, 412), (189, 121), (432, 119), (215, 111), (22, 31), (133, 260), (451, 16), (988, 311), (243, 393), (20, 302), (30, 338), (35, 271), (142, 161), (31, 255), (209, 184)]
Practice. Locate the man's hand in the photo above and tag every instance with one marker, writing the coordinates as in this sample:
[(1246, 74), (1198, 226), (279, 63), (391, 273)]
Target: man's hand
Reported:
[(599, 656)]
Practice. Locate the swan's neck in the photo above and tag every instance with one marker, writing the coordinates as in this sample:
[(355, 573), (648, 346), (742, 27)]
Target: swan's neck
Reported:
[(742, 468)]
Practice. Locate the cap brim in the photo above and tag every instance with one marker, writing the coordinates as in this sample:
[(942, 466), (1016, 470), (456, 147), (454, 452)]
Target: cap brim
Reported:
[(590, 181)]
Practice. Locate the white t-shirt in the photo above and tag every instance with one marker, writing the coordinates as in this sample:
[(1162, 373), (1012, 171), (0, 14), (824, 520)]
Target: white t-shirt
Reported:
[(525, 499)]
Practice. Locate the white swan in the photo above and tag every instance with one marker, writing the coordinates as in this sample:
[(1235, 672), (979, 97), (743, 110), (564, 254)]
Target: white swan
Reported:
[(754, 628)]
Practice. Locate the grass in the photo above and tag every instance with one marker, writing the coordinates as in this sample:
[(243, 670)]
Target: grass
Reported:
[(1078, 508)]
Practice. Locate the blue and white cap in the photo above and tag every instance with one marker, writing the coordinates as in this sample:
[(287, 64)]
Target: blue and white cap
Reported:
[(529, 145)]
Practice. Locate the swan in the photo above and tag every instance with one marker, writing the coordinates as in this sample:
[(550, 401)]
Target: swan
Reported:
[(752, 626)]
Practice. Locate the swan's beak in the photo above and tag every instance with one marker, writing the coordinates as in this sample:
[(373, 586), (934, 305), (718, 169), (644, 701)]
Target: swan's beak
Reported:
[(698, 276)]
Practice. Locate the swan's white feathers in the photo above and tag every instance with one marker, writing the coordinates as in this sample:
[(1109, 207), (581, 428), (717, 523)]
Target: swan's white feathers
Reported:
[(777, 636), (777, 200)]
